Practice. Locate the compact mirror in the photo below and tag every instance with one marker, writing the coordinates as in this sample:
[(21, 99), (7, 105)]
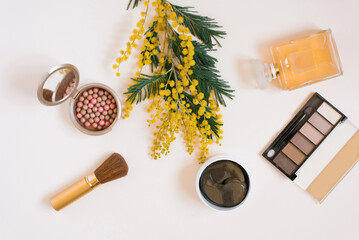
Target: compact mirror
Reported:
[(58, 84)]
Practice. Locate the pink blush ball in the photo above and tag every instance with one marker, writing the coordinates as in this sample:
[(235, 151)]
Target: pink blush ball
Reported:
[(93, 101), (87, 124)]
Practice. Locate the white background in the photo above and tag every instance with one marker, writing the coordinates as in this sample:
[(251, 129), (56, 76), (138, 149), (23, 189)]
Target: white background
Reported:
[(41, 151)]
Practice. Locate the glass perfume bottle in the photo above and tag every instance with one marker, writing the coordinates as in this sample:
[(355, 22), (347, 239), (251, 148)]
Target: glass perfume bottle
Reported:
[(300, 62)]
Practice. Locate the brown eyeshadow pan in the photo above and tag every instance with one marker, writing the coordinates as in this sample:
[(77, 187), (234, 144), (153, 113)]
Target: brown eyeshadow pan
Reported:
[(320, 123), (294, 153), (311, 133), (285, 163), (302, 143)]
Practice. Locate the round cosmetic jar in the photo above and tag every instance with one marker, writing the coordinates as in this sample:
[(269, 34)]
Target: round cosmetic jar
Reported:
[(222, 183), (60, 84)]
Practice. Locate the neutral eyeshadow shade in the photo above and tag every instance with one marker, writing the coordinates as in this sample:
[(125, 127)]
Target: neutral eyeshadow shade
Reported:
[(302, 143), (285, 163), (320, 123), (293, 153), (311, 133), (329, 113), (327, 150), (335, 171)]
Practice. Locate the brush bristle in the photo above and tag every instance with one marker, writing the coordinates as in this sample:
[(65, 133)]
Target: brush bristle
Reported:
[(112, 168)]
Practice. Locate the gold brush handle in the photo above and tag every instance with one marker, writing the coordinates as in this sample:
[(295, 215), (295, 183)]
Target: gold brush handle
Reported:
[(74, 192)]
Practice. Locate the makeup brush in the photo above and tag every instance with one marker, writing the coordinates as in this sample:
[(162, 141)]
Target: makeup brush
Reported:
[(112, 168)]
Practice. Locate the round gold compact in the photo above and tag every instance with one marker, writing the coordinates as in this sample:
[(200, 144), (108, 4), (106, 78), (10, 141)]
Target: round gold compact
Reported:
[(94, 108)]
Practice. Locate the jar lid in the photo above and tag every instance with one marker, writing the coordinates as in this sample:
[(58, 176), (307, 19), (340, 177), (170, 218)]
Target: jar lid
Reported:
[(58, 85)]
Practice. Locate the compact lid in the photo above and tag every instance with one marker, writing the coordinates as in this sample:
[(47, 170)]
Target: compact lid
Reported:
[(58, 84)]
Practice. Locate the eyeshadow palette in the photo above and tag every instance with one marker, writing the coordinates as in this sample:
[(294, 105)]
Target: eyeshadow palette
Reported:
[(317, 148)]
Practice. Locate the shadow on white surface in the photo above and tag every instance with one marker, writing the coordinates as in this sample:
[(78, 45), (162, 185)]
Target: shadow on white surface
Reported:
[(25, 74), (187, 181)]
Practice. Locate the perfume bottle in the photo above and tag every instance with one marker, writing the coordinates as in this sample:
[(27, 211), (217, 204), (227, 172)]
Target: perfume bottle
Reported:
[(300, 62)]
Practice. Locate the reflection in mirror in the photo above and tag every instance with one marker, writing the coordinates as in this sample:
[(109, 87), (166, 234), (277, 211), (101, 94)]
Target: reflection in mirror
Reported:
[(47, 94), (59, 85)]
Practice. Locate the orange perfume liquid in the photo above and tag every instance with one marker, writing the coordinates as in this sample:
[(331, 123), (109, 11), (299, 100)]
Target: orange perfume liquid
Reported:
[(303, 61)]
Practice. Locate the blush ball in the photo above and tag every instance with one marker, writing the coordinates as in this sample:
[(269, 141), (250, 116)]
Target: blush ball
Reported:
[(95, 109)]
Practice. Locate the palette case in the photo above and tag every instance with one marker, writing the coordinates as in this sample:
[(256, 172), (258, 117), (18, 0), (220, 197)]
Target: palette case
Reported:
[(317, 148)]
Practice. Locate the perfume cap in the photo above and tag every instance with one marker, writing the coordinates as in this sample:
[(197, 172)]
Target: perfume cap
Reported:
[(263, 73)]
